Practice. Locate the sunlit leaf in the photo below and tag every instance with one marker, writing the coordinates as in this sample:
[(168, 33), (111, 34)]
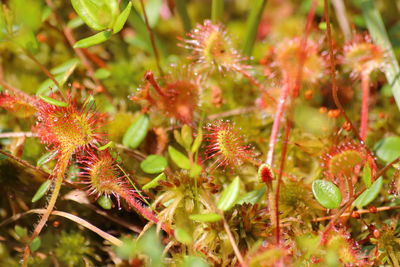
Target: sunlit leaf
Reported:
[(369, 195), (96, 39), (327, 194), (153, 164), (136, 132), (121, 19), (229, 195), (178, 158), (43, 188)]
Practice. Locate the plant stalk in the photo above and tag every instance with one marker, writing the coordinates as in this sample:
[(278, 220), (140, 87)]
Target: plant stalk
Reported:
[(252, 26), (152, 39), (217, 11), (61, 168), (181, 6), (364, 105), (277, 122)]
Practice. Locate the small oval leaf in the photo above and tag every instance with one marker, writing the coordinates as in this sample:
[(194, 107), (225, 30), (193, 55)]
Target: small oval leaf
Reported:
[(104, 202), (136, 132), (197, 142), (121, 19), (178, 158), (182, 236), (153, 183), (96, 14), (327, 194), (229, 195), (187, 138), (369, 195), (388, 149), (36, 243), (206, 217), (41, 191), (96, 39), (53, 101), (366, 176), (153, 164), (252, 197)]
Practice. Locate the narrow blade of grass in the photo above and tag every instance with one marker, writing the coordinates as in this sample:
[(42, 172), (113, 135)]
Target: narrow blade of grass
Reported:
[(379, 34), (252, 25)]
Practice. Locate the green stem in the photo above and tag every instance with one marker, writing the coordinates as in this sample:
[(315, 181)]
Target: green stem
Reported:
[(379, 34), (217, 10), (252, 25), (61, 168), (181, 6)]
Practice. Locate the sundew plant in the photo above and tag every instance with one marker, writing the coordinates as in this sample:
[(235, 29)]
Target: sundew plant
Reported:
[(200, 133)]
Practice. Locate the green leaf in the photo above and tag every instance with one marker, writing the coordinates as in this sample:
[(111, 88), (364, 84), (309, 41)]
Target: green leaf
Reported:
[(65, 67), (327, 194), (178, 158), (20, 231), (178, 138), (193, 261), (136, 132), (182, 236), (97, 14), (96, 39), (153, 164), (366, 175), (369, 195), (41, 191), (229, 195), (75, 23), (388, 149), (197, 142), (206, 217), (187, 138), (105, 146), (61, 74), (378, 32), (102, 74), (252, 197), (195, 170), (3, 157), (104, 202), (121, 19), (53, 101), (153, 183), (36, 243)]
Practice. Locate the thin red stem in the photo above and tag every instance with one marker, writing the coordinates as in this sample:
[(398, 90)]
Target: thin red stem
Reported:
[(145, 212), (152, 38), (288, 127), (254, 82), (364, 105), (333, 70), (277, 122)]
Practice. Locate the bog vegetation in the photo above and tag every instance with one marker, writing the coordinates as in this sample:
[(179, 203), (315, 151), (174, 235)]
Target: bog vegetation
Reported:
[(199, 133)]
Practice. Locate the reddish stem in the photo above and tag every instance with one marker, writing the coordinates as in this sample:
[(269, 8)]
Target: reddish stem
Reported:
[(364, 104), (149, 76), (145, 212), (254, 82), (333, 70), (277, 122), (288, 127)]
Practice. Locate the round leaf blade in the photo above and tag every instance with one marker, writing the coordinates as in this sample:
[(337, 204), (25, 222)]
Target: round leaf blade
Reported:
[(327, 194)]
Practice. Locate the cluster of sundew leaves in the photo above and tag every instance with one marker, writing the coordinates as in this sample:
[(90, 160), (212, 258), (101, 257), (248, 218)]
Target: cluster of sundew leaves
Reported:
[(188, 144)]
